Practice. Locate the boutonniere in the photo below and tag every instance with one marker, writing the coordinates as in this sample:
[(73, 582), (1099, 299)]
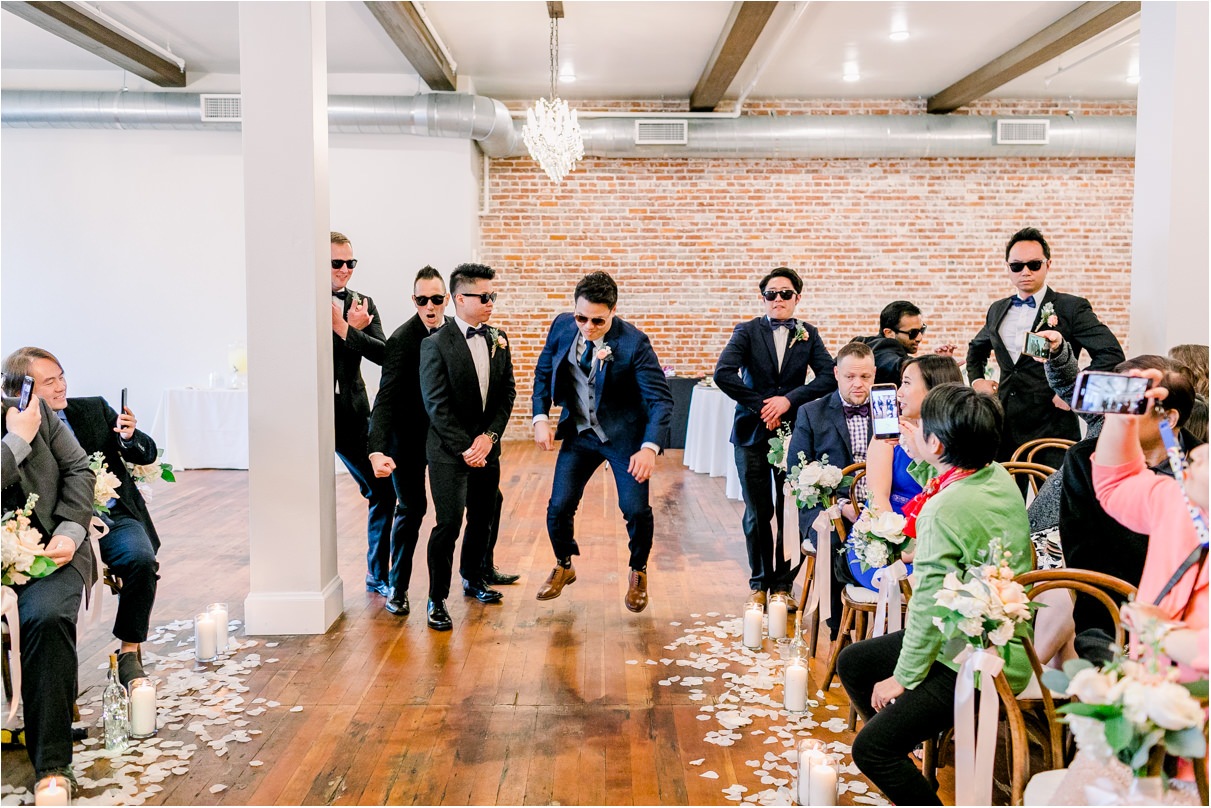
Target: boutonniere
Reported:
[(355, 298), (799, 335), (1047, 316), (497, 339), (605, 353)]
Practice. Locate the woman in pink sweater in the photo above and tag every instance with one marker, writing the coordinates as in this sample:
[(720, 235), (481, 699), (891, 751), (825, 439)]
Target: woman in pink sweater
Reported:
[(1150, 503)]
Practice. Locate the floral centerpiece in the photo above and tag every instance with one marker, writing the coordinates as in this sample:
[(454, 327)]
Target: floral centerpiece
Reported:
[(877, 538), (149, 473), (105, 490), (812, 483), (22, 546), (778, 446)]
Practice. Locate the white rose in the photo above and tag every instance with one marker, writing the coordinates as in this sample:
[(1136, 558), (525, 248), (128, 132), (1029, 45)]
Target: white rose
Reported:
[(809, 476), (889, 525), (875, 554), (831, 477), (1090, 737), (1134, 696), (970, 607), (1002, 634), (863, 525), (1170, 706), (972, 626), (1090, 686)]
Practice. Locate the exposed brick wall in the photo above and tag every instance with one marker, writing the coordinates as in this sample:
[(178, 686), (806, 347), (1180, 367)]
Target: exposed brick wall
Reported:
[(688, 239)]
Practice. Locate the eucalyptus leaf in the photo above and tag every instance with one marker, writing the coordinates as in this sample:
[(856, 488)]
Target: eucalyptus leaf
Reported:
[(953, 647), (1074, 666), (1056, 680), (1188, 743), (1102, 712), (1119, 732), (1197, 689)]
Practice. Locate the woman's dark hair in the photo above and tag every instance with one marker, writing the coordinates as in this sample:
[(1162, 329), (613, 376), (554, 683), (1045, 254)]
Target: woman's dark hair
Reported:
[(935, 370), (1181, 390), (1196, 424), (966, 422), (598, 287)]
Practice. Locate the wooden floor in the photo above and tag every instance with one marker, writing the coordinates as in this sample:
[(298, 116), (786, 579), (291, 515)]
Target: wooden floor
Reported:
[(524, 702)]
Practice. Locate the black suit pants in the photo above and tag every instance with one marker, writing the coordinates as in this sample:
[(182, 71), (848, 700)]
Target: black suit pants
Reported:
[(457, 489), (759, 481), (352, 447), (411, 505)]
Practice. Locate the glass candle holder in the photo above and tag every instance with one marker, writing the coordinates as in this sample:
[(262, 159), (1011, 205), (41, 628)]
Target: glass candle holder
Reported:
[(218, 613), (778, 609), (794, 685), (816, 780), (53, 790), (754, 614), (142, 708), (204, 644)]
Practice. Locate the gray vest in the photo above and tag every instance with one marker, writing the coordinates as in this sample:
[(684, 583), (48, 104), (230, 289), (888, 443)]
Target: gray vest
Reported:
[(584, 414)]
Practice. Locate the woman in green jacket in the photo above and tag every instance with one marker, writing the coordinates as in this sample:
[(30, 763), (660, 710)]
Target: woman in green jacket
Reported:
[(900, 683)]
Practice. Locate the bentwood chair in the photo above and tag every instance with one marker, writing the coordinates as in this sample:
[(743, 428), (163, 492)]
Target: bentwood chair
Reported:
[(1034, 473), (1030, 448)]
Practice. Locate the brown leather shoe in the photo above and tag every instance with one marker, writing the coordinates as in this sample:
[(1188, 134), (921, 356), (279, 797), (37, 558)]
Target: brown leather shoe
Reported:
[(757, 596), (637, 593), (558, 579)]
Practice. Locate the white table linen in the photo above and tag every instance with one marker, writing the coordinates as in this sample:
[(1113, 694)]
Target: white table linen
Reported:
[(203, 429), (708, 448)]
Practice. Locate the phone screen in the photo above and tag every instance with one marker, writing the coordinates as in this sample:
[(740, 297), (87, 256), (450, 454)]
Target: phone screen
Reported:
[(1036, 345), (1110, 393), (123, 400), (27, 388), (885, 411)]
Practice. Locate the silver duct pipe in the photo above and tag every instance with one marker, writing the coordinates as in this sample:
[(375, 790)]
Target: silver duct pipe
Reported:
[(487, 121)]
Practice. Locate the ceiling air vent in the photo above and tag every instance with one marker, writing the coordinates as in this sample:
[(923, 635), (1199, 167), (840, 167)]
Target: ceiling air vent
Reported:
[(1023, 131), (662, 133), (221, 108)]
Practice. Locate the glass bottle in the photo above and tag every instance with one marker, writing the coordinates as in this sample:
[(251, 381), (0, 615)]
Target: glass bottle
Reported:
[(115, 710)]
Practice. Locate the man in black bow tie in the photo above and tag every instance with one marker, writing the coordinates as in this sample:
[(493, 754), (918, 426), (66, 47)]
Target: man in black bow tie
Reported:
[(1032, 410), (357, 333)]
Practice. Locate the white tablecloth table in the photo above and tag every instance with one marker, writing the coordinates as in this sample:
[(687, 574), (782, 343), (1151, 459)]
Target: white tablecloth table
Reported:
[(708, 448), (203, 429)]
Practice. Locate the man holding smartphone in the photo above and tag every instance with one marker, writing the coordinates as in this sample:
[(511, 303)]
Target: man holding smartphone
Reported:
[(1031, 408)]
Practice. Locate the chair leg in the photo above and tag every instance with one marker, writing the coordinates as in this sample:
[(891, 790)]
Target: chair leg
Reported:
[(929, 762), (815, 635), (853, 718), (847, 619)]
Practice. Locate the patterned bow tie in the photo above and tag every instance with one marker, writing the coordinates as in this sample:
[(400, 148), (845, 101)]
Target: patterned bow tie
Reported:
[(860, 409), (342, 294), (1017, 301), (482, 331), (774, 325)]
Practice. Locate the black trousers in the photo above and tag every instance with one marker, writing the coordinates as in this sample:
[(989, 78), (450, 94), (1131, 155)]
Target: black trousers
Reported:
[(411, 505), (352, 447), (766, 549), (49, 665), (457, 489), (884, 745), (128, 553)]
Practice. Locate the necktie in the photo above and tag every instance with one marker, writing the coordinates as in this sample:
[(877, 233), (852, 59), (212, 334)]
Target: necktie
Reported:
[(1017, 301), (851, 410), (586, 358), (482, 331), (774, 325), (342, 294)]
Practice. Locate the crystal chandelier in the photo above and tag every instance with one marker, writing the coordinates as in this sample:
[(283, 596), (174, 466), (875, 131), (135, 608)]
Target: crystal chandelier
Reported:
[(552, 133)]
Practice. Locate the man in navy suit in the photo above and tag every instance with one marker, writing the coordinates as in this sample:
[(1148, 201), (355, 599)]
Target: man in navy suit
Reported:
[(616, 408), (837, 426), (764, 369)]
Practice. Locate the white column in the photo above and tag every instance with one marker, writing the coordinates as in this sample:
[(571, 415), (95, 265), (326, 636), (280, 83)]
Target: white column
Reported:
[(295, 588), (1169, 265)]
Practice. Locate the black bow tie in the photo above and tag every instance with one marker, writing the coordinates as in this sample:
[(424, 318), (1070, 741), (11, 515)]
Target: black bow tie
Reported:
[(482, 331), (1017, 301), (787, 324), (342, 294), (856, 409)]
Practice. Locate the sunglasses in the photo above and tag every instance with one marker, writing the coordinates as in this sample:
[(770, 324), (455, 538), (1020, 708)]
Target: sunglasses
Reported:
[(913, 333), (1018, 266), (489, 297), (425, 300), (785, 294), (597, 321), (337, 263)]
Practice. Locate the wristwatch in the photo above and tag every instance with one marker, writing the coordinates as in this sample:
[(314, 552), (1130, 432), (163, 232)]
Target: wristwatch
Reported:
[(492, 436)]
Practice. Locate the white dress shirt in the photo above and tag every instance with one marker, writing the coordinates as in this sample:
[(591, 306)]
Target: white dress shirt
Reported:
[(782, 337), (1017, 322), (479, 355)]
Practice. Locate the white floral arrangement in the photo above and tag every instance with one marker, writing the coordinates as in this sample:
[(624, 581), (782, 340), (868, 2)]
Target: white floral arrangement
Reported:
[(22, 546), (779, 444), (145, 475), (877, 538), (988, 609), (105, 490), (812, 483)]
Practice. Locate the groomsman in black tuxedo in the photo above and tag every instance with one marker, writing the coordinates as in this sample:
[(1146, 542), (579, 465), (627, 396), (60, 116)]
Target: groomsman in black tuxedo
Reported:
[(616, 405), (838, 426), (357, 333), (466, 380), (1032, 410), (764, 369)]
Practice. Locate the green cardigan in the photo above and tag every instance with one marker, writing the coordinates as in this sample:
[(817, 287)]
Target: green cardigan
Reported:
[(952, 528)]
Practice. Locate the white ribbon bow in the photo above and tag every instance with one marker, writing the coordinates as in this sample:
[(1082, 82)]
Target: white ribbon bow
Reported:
[(887, 606), (822, 591), (974, 754), (97, 529), (8, 607)]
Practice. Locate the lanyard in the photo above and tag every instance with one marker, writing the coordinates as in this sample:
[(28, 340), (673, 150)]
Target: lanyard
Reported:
[(1178, 464)]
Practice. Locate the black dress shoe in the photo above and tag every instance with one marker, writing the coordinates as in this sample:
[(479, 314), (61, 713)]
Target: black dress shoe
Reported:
[(373, 585), (481, 592), (439, 618), (498, 578), (398, 604)]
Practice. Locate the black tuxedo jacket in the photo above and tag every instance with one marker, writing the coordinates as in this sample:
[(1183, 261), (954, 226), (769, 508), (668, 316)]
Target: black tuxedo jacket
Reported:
[(450, 389), (1024, 392), (748, 372), (890, 357), (399, 424), (93, 421), (820, 429), (347, 355)]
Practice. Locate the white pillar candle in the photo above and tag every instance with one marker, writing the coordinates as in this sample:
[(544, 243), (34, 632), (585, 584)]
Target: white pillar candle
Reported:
[(203, 637), (52, 792), (822, 786), (753, 614), (218, 611), (794, 686), (810, 754), (142, 708), (777, 618)]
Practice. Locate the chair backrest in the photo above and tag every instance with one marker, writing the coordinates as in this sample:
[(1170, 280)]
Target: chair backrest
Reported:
[(857, 471), (1019, 750), (1027, 450), (1035, 473)]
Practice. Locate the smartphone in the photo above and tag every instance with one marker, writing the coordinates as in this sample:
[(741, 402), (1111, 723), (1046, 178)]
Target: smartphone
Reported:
[(885, 411), (27, 389), (123, 401), (1110, 393), (1036, 345)]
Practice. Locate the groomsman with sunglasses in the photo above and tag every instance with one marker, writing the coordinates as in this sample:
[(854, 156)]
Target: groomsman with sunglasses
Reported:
[(357, 333), (764, 369), (1032, 410), (616, 402), (466, 380), (901, 332)]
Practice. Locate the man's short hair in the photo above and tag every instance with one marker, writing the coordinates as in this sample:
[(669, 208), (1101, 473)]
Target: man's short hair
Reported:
[(1181, 391), (966, 422), (339, 238), (464, 276), (784, 272), (858, 349), (16, 367), (1028, 234), (427, 273), (935, 370), (598, 287), (894, 312)]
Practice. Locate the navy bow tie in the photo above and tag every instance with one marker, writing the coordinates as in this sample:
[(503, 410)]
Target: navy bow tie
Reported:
[(482, 331), (1017, 301), (859, 409), (774, 325), (342, 294)]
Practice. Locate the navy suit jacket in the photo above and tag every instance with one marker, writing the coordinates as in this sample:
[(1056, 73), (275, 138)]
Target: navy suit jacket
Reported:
[(820, 429), (398, 420), (634, 402), (748, 372)]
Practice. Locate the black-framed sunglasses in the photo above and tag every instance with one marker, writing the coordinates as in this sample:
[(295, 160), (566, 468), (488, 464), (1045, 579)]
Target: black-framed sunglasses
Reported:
[(1017, 266), (913, 333), (337, 263), (486, 298), (597, 321), (425, 300), (785, 294)]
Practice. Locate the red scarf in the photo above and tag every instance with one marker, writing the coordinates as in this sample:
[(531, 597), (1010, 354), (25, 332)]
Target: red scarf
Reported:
[(913, 507)]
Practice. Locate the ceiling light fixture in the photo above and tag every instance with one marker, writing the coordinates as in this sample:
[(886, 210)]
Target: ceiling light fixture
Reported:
[(552, 133), (899, 35)]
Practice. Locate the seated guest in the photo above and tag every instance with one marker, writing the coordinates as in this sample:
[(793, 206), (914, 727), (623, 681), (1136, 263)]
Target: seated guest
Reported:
[(899, 682), (129, 548), (901, 332), (41, 457), (1153, 504)]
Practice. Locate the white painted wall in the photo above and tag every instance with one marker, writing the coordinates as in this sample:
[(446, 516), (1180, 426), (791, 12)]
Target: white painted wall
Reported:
[(123, 251)]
